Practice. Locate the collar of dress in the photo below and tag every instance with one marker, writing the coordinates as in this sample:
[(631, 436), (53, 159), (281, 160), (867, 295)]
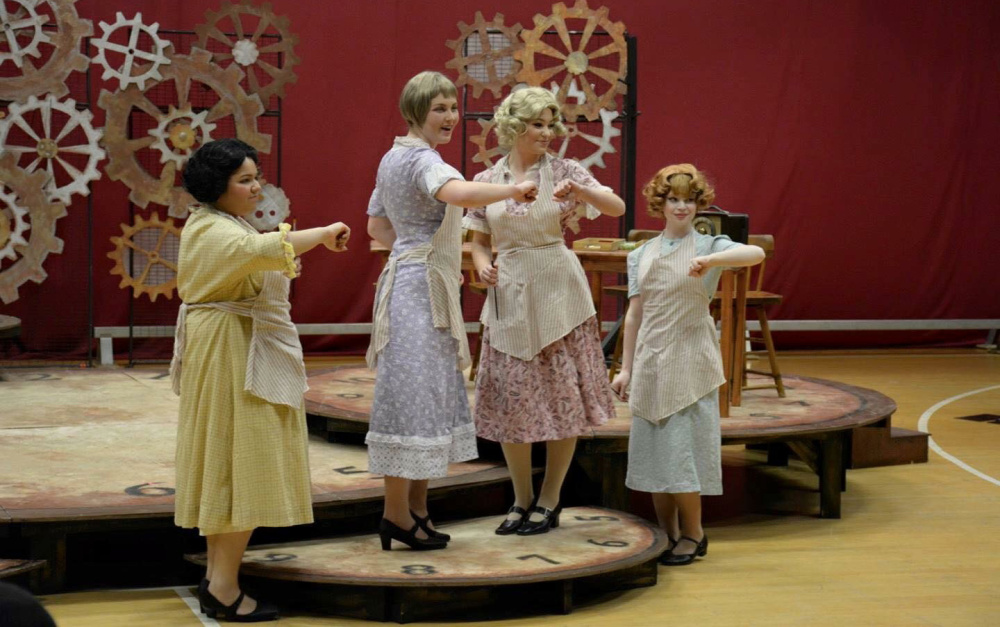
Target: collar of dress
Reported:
[(503, 166), (406, 141)]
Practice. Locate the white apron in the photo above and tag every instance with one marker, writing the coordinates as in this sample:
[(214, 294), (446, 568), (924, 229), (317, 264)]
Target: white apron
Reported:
[(443, 258), (542, 292), (275, 369), (677, 359)]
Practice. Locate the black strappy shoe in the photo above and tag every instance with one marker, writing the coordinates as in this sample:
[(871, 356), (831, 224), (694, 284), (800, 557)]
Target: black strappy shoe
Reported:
[(213, 607), (510, 525), (424, 524), (550, 520), (389, 531), (202, 591), (675, 559)]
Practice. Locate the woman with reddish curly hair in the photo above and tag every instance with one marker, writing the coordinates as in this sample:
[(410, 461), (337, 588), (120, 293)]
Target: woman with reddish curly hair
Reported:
[(671, 365)]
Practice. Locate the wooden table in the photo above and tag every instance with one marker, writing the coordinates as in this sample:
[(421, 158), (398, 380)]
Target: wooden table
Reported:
[(731, 300)]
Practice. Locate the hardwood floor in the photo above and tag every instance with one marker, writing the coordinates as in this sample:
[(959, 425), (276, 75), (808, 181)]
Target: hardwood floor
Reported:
[(917, 545)]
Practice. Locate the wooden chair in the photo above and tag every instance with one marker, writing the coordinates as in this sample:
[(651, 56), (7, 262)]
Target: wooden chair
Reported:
[(758, 301), (621, 291)]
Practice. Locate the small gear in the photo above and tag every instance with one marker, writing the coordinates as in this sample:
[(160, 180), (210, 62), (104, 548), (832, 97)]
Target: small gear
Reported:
[(184, 129), (64, 40), (23, 23), (11, 235), (272, 209), (150, 265), (161, 188), (484, 54), (246, 50), (131, 73), (46, 143), (576, 61), (487, 149), (27, 193), (603, 143)]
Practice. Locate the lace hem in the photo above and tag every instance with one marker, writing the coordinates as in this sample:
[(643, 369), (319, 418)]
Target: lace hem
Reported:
[(423, 462), (417, 441), (284, 228)]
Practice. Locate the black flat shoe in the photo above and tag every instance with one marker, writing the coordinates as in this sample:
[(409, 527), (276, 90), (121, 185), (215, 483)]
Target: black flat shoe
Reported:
[(424, 524), (509, 525), (674, 559), (213, 607), (550, 520), (389, 531)]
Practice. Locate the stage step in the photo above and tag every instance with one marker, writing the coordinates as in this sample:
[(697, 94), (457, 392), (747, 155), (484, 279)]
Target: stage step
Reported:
[(13, 568), (593, 550), (882, 444)]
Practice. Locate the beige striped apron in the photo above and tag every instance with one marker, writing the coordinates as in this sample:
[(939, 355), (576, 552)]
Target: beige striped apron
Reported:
[(542, 292), (275, 369), (677, 358), (443, 258)]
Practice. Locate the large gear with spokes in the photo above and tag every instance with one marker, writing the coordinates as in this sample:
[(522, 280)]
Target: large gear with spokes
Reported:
[(47, 144), (150, 265), (184, 70), (26, 22), (23, 23), (487, 149), (575, 60), (33, 213), (246, 50), (484, 54), (130, 72), (602, 143)]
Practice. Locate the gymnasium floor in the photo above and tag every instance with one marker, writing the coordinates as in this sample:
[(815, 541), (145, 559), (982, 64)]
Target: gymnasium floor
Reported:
[(917, 545)]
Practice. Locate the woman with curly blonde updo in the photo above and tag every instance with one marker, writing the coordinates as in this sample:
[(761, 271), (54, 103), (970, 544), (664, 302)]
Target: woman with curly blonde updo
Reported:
[(542, 376), (671, 358)]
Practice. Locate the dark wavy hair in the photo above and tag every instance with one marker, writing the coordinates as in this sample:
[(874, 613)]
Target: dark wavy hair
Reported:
[(206, 175)]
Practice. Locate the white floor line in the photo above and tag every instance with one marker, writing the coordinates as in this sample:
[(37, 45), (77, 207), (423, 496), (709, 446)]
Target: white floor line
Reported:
[(192, 602), (925, 419)]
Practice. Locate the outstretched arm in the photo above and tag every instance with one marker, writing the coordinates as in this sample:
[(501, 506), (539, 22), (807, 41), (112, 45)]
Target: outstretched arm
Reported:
[(470, 194), (333, 236), (736, 257)]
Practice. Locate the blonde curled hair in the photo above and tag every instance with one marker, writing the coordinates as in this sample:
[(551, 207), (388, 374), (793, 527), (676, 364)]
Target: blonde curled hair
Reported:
[(519, 108), (682, 180)]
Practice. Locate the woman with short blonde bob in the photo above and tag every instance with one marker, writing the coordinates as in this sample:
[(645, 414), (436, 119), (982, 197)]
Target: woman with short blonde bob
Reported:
[(541, 376), (671, 366), (420, 418)]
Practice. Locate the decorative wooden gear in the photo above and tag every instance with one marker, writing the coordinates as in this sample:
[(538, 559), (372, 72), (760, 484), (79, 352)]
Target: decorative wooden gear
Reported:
[(185, 69), (576, 62), (184, 130), (65, 41), (27, 190), (245, 51), (603, 143), (487, 149), (45, 143), (150, 257), (272, 209), (482, 66), (131, 73)]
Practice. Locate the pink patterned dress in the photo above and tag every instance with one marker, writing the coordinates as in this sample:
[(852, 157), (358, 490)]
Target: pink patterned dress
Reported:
[(561, 391)]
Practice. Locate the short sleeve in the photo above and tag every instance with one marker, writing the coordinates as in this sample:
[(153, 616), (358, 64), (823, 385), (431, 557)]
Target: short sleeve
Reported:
[(570, 169), (475, 219), (632, 268), (375, 207), (432, 173), (722, 243)]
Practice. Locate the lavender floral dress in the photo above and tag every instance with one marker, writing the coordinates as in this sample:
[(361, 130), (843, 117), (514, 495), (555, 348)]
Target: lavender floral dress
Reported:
[(420, 418)]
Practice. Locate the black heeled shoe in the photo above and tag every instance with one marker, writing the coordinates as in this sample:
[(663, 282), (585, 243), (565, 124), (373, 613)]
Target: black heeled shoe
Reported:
[(671, 543), (509, 526), (202, 591), (675, 559), (424, 523), (212, 608), (550, 520), (389, 531)]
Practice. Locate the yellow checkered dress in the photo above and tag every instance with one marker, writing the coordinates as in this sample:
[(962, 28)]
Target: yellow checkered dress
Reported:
[(241, 462)]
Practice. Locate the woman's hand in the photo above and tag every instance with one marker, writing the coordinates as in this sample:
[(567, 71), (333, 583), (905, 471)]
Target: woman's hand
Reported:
[(566, 191), (700, 265), (298, 267), (489, 275), (336, 237), (620, 384), (527, 191)]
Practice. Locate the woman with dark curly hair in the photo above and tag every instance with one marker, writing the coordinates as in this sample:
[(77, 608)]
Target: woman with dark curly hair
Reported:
[(242, 459), (670, 345)]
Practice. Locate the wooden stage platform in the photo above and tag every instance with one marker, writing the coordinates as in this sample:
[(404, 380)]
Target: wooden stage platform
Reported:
[(818, 420)]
